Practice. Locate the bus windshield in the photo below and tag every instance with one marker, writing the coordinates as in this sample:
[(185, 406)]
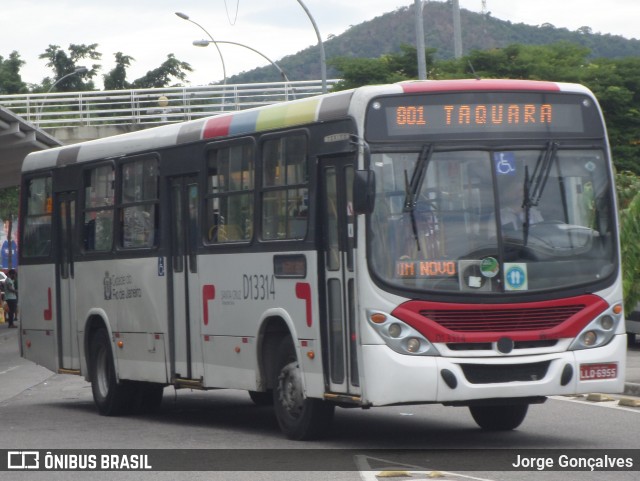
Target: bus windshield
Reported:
[(492, 221)]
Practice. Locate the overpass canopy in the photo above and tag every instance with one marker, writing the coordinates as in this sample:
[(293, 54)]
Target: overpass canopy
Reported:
[(17, 139)]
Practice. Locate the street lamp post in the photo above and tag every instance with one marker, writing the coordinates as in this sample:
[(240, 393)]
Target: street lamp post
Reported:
[(323, 59), (204, 43), (77, 71), (184, 16)]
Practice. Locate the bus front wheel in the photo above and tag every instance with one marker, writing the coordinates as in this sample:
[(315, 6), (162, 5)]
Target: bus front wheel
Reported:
[(299, 418), (261, 398), (498, 417), (111, 397)]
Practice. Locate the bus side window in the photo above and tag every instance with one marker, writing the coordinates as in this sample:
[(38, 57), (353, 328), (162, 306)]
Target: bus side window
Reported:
[(138, 209), (229, 214), (98, 208), (285, 193), (36, 233)]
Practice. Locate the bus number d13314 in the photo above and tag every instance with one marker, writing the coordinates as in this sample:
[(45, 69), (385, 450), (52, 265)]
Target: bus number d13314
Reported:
[(258, 287)]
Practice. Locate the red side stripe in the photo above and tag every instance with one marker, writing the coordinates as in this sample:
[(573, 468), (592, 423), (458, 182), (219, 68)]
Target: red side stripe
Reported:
[(217, 127)]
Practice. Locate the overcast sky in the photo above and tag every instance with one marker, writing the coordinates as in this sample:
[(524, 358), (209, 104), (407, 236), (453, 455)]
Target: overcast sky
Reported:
[(148, 30)]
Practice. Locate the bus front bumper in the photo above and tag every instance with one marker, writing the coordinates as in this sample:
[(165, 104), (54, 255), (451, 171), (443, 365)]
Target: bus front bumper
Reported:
[(392, 378)]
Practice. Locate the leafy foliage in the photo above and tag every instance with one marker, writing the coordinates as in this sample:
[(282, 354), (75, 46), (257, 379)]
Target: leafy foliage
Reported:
[(628, 187), (116, 79), (64, 63), (10, 79), (161, 76)]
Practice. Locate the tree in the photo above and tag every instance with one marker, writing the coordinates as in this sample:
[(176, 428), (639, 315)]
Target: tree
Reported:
[(64, 63), (162, 76), (9, 211), (116, 79), (10, 79), (388, 68), (628, 188)]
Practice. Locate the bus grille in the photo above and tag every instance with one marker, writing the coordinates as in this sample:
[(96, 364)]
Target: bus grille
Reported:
[(502, 319), (498, 373)]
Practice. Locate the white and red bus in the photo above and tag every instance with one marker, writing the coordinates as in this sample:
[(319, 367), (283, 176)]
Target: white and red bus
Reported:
[(447, 242)]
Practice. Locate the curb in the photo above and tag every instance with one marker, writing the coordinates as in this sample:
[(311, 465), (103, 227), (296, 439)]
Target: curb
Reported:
[(632, 389)]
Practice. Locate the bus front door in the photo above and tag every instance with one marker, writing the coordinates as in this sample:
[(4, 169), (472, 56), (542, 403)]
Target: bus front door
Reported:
[(185, 295), (338, 227), (66, 320)]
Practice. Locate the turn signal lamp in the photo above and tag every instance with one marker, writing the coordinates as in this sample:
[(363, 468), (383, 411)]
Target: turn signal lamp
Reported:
[(378, 318)]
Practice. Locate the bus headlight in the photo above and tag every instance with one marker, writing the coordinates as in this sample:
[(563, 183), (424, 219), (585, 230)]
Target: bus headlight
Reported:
[(600, 331), (395, 330), (399, 336)]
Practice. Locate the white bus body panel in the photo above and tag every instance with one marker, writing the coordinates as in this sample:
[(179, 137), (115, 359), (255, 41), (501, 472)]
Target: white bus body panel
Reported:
[(37, 310), (245, 293)]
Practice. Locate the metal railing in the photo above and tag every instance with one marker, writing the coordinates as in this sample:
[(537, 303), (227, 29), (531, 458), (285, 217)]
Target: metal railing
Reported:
[(151, 106)]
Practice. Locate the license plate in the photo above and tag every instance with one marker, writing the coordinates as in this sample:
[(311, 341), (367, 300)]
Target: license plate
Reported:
[(592, 372)]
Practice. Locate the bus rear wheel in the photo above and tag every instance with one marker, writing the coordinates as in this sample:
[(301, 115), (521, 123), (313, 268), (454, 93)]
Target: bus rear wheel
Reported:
[(299, 418), (111, 397), (498, 417)]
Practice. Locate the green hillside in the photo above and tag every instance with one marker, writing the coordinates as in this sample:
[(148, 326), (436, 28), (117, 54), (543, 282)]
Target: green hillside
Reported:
[(385, 34)]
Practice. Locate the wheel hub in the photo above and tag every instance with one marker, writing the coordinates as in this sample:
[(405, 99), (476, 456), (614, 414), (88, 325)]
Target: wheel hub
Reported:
[(291, 393)]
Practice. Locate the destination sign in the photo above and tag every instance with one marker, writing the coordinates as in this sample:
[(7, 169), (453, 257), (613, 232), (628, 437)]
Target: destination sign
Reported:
[(482, 115)]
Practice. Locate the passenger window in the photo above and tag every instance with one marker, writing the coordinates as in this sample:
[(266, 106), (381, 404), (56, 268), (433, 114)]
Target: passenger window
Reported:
[(138, 210), (36, 238), (285, 188), (230, 186), (98, 209)]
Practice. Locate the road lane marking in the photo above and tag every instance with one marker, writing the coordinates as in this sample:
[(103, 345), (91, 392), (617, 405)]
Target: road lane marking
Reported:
[(368, 474), (613, 404), (9, 370)]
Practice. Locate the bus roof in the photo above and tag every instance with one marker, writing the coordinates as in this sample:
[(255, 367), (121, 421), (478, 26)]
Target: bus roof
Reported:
[(286, 114)]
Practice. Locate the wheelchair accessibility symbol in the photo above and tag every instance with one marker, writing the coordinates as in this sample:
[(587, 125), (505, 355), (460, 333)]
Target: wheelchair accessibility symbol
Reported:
[(515, 277), (505, 163)]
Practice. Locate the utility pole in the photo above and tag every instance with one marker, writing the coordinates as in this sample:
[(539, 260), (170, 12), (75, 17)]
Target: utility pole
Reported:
[(457, 30), (422, 64)]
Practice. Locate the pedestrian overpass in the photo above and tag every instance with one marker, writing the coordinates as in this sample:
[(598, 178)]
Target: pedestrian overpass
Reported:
[(72, 117)]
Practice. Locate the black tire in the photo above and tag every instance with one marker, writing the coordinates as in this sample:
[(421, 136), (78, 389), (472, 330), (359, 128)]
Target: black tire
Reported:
[(111, 397), (261, 398), (299, 418), (147, 397), (631, 339), (498, 417)]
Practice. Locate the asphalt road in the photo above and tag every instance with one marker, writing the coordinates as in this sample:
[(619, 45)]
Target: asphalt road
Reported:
[(45, 411)]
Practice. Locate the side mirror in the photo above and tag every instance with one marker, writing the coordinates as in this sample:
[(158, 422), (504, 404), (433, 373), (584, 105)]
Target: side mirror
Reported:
[(364, 191)]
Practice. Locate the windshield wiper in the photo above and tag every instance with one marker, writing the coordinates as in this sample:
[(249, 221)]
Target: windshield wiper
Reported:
[(412, 187), (534, 186)]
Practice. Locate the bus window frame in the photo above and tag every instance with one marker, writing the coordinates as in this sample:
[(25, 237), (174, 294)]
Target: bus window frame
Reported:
[(82, 204), (206, 197), (118, 240), (261, 189), (35, 259)]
